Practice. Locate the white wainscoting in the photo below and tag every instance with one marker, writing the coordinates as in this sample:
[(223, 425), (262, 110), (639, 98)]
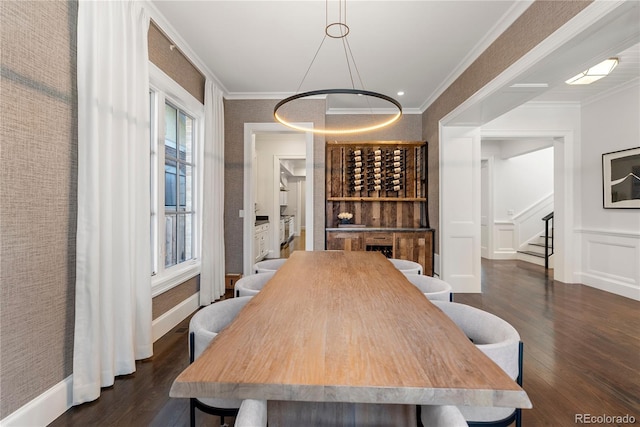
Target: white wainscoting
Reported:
[(504, 238), (610, 261)]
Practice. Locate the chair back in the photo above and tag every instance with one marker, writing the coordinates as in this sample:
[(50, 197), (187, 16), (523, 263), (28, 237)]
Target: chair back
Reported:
[(204, 326), (210, 320), (500, 341), (250, 285), (406, 266), (268, 265), (432, 287)]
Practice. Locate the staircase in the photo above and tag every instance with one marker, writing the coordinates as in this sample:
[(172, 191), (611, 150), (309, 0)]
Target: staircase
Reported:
[(533, 252), (540, 250)]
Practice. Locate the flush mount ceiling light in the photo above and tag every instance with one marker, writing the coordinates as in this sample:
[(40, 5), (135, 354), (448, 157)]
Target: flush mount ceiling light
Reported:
[(339, 30), (594, 73)]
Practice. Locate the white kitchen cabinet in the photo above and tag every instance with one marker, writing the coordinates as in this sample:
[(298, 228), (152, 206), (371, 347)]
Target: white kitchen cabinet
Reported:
[(261, 242), (292, 231), (283, 238), (284, 198)]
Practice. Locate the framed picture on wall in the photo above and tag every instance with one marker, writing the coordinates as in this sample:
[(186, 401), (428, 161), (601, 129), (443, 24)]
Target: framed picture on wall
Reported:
[(621, 179)]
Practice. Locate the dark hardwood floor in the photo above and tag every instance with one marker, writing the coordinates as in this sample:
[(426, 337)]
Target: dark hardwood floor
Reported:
[(297, 244), (581, 356), (581, 345)]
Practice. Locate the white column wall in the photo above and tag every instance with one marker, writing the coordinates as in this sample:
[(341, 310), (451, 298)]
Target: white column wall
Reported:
[(460, 229)]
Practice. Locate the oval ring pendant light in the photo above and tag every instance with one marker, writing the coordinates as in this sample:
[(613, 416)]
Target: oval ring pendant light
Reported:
[(339, 30)]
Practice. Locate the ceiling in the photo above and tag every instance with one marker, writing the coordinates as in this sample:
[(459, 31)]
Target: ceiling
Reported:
[(262, 49)]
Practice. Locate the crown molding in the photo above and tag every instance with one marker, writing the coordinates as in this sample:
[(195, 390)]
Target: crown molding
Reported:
[(181, 44), (282, 95), (372, 111), (265, 95), (549, 104), (483, 44), (614, 90)]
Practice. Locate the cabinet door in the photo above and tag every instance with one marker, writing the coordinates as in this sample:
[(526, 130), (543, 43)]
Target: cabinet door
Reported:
[(256, 247), (346, 241), (415, 246), (283, 198), (292, 231), (282, 236), (263, 244)]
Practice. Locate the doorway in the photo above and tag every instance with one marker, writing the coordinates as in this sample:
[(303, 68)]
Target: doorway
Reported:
[(251, 131), (517, 187), (602, 28)]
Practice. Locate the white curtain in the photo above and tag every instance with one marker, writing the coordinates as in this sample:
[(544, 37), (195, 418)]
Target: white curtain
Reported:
[(113, 265), (212, 264)]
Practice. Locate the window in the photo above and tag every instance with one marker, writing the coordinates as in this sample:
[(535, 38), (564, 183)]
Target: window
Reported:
[(178, 186), (176, 126)]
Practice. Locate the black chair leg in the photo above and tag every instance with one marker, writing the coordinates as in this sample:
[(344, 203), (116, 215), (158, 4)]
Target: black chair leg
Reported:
[(192, 413)]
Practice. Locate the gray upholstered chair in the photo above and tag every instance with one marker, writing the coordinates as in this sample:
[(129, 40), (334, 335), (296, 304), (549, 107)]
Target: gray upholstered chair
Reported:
[(500, 341), (441, 416), (252, 413), (406, 266), (432, 287), (250, 285), (268, 265), (203, 328)]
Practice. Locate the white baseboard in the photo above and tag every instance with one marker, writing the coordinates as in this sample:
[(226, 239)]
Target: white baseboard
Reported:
[(609, 285), (44, 409), (502, 255), (177, 314)]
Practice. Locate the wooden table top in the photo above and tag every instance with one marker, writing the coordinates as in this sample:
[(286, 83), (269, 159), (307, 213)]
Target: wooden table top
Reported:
[(335, 326)]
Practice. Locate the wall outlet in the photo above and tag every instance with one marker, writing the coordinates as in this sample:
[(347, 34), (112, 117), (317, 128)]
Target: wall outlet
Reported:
[(510, 212), (241, 213)]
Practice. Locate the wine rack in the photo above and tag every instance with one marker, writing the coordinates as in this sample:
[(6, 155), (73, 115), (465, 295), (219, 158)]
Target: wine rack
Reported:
[(382, 183)]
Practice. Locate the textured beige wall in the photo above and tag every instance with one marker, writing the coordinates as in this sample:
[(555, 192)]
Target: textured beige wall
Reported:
[(408, 128), (174, 296), (239, 112), (539, 21), (37, 197), (174, 63), (38, 153), (236, 114)]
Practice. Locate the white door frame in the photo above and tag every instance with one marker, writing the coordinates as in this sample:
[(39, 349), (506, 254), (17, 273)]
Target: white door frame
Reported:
[(488, 198), (566, 263), (250, 130), (460, 208), (564, 197)]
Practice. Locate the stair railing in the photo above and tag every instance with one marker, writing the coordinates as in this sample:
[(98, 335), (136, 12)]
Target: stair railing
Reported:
[(548, 248)]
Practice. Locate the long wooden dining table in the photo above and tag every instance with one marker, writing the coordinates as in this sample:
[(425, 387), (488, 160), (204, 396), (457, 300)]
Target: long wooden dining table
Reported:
[(346, 331)]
